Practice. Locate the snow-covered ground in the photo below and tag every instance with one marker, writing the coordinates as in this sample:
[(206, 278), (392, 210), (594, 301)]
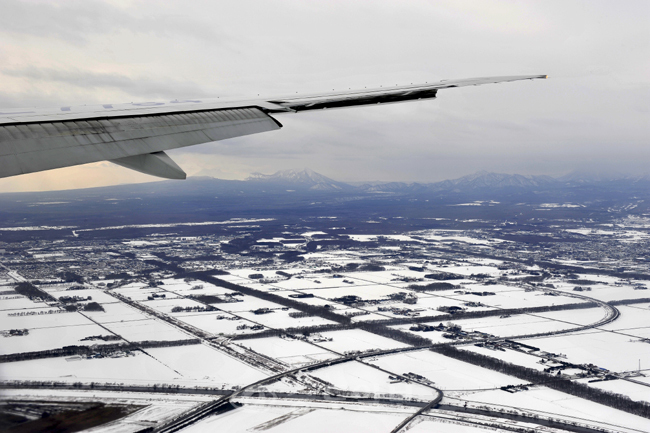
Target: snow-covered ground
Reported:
[(208, 322), (357, 339), (292, 352), (202, 365), (549, 402), (302, 417), (138, 369), (42, 318), (446, 373), (633, 390), (146, 330), (280, 319), (602, 348), (522, 324), (52, 338), (355, 376)]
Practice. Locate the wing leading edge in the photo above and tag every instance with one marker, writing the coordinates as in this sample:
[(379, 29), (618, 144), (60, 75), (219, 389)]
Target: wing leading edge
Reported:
[(136, 135)]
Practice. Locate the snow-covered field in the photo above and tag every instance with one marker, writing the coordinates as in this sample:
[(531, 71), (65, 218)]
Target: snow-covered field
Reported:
[(16, 302), (446, 373), (355, 376), (53, 338), (467, 270), (357, 339), (322, 418), (202, 365), (139, 369), (522, 324), (366, 291), (280, 319), (633, 390), (41, 319), (601, 348), (248, 303), (289, 351), (116, 313), (607, 292), (166, 305), (147, 330), (552, 403), (209, 323), (517, 299), (140, 292), (512, 356), (633, 321), (97, 295)]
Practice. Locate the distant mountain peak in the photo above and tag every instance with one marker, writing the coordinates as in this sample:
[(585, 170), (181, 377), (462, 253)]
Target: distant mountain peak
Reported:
[(305, 179), (484, 179)]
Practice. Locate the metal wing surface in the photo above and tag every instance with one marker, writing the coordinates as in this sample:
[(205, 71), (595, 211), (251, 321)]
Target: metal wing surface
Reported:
[(136, 135)]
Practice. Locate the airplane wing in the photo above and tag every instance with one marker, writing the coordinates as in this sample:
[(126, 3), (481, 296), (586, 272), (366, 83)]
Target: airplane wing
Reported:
[(136, 135)]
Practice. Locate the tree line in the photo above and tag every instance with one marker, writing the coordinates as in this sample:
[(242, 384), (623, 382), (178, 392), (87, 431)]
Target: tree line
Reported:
[(103, 349)]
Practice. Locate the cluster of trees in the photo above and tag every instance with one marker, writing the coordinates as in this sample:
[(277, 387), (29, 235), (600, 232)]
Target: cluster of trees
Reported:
[(582, 281), (102, 337), (73, 299), (577, 389), (26, 288), (292, 256), (16, 332), (71, 277), (207, 299), (432, 287), (299, 314), (536, 277), (359, 267), (444, 276), (630, 301), (91, 306), (35, 313), (348, 299), (195, 309), (119, 276)]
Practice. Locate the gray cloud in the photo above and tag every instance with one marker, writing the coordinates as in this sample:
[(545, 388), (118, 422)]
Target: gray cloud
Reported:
[(141, 87), (75, 20)]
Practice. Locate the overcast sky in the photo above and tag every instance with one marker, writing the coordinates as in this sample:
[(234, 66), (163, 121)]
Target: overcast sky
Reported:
[(591, 114)]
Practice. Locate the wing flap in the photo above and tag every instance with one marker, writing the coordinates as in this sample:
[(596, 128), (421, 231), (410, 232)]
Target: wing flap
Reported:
[(156, 164)]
